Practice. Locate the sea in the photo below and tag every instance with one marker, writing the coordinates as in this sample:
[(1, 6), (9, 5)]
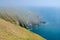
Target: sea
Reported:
[(51, 15)]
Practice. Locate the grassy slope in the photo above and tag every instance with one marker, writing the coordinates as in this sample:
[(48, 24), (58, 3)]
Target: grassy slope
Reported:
[(9, 31)]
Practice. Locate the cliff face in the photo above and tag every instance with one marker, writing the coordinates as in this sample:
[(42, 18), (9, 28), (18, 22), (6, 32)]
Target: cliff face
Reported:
[(9, 31)]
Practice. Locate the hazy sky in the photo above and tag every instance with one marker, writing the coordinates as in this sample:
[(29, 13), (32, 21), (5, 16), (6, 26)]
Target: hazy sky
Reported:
[(34, 3)]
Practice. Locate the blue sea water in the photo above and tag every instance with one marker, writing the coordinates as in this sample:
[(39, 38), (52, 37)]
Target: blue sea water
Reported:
[(50, 31)]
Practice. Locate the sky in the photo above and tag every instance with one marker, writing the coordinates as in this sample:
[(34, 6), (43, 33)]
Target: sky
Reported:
[(32, 3)]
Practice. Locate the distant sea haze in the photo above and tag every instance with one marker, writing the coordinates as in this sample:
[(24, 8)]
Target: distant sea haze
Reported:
[(51, 15)]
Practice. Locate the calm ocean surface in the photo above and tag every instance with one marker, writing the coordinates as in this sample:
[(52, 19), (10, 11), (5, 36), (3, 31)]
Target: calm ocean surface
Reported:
[(50, 31)]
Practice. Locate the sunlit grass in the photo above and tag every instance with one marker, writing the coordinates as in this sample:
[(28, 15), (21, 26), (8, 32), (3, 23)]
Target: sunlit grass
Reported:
[(10, 29)]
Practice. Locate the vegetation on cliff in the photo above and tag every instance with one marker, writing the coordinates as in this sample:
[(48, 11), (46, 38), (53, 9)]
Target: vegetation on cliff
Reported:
[(9, 31)]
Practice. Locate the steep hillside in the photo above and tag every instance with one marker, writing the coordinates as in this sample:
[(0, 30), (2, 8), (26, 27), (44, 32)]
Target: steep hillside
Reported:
[(9, 31)]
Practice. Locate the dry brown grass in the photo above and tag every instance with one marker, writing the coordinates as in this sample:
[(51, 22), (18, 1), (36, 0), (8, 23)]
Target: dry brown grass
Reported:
[(9, 31)]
